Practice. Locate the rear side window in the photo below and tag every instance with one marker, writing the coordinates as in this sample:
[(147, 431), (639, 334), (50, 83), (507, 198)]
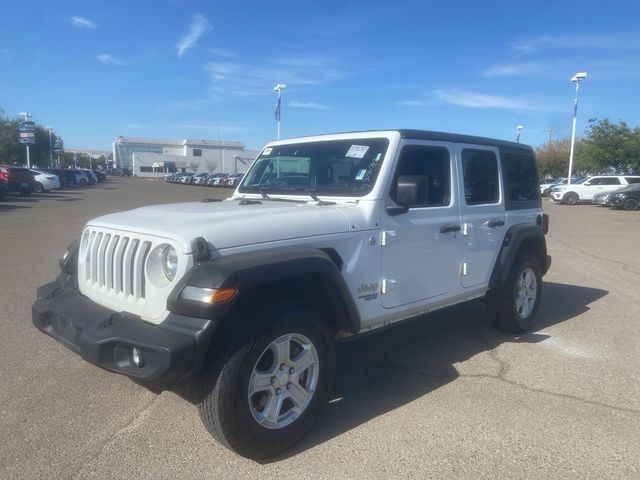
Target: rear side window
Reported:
[(480, 173), (610, 181), (632, 179), (434, 163), (521, 179)]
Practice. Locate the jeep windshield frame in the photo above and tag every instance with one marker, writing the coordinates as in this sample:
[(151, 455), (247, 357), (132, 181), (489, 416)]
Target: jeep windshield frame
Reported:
[(338, 168)]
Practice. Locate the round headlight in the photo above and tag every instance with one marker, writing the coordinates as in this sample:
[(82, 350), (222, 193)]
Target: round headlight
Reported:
[(169, 262), (162, 265)]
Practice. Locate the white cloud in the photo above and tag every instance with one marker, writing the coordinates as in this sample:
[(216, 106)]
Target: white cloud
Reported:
[(82, 22), (513, 69), (465, 98), (108, 59), (414, 103), (222, 52), (199, 26), (600, 42), (244, 80), (309, 105)]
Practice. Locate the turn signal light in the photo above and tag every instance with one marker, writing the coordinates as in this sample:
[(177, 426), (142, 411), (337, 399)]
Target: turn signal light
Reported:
[(207, 295)]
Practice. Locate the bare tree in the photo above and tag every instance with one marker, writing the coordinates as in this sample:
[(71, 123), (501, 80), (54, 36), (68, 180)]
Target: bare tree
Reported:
[(193, 165), (211, 166)]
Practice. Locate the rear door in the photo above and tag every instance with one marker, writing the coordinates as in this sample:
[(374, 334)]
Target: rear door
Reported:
[(597, 185), (482, 210)]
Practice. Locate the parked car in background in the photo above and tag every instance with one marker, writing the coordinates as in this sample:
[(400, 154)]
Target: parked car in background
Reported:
[(233, 180), (81, 178), (100, 176), (219, 181), (603, 198), (212, 178), (44, 181), (3, 185), (584, 190), (627, 198), (185, 178), (19, 180), (199, 178), (93, 179), (549, 182), (65, 176)]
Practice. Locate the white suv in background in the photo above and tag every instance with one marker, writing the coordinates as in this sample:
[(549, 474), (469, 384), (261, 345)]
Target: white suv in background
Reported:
[(584, 190)]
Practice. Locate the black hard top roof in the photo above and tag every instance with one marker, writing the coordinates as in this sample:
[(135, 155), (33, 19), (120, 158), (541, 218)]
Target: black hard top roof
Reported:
[(458, 138), (442, 137)]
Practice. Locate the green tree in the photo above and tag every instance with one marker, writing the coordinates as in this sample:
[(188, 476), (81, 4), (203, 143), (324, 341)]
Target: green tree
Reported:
[(611, 147), (553, 158), (13, 152)]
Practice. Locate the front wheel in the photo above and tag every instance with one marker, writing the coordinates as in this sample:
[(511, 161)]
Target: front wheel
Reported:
[(513, 307), (39, 188), (570, 199), (630, 204), (265, 390)]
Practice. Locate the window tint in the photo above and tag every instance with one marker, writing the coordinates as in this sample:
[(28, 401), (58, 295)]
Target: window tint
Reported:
[(610, 181), (632, 179), (480, 173), (521, 177), (434, 163)]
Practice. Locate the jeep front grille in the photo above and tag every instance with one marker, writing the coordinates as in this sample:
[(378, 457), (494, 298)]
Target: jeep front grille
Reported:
[(114, 263)]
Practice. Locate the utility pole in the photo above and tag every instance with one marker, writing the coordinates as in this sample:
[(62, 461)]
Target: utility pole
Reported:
[(550, 132)]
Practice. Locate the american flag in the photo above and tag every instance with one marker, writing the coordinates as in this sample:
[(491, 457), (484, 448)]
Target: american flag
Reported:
[(276, 112)]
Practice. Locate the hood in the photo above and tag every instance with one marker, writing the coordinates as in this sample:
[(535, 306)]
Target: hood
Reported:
[(229, 224)]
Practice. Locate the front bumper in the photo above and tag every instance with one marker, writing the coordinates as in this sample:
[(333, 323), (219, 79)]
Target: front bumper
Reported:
[(172, 351)]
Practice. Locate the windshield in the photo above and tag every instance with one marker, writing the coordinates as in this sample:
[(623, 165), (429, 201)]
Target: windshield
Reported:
[(335, 168)]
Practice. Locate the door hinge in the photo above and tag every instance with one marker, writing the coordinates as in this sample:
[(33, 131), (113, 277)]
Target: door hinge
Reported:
[(386, 237), (388, 284)]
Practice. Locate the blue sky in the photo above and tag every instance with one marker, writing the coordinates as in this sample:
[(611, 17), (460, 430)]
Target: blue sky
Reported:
[(198, 69)]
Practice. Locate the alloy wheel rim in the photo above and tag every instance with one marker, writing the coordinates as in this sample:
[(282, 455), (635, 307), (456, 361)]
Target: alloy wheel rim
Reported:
[(283, 381), (526, 293)]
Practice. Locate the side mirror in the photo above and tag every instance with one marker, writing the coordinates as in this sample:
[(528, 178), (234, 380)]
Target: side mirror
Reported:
[(411, 190), (587, 183)]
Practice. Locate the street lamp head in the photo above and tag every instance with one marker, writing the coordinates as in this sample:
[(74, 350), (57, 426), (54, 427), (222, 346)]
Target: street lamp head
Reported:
[(279, 87), (519, 127), (579, 76)]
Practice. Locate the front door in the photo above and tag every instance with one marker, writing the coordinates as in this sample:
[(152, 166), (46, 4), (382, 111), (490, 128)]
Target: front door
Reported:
[(421, 249)]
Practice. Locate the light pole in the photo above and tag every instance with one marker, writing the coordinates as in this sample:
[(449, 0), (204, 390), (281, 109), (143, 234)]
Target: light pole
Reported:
[(577, 78), (50, 148), (518, 128), (276, 113)]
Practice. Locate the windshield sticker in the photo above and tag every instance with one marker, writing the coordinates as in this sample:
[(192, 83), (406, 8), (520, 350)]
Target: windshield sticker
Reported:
[(267, 151), (357, 151), (360, 175)]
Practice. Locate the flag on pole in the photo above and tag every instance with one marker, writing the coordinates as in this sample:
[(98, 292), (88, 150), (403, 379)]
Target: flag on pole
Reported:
[(276, 112)]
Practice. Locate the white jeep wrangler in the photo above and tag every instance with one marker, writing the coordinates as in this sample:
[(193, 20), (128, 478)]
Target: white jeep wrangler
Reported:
[(325, 238)]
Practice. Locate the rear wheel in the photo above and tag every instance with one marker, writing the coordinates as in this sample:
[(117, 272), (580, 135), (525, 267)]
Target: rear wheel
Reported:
[(630, 204), (83, 182), (513, 307), (39, 188), (263, 391)]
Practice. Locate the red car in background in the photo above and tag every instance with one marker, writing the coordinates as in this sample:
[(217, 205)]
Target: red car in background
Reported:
[(19, 180)]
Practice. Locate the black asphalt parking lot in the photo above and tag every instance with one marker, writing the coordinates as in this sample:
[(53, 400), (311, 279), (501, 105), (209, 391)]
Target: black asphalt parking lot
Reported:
[(441, 397)]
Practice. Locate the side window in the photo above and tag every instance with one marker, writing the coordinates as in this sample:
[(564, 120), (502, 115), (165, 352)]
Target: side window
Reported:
[(521, 179), (197, 152), (632, 179), (595, 181), (610, 181), (434, 163), (480, 173)]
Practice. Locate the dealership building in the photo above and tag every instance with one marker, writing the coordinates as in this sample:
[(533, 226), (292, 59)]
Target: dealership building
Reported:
[(152, 157)]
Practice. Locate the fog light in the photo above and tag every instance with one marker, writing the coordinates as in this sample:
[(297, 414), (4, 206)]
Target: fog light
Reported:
[(136, 357)]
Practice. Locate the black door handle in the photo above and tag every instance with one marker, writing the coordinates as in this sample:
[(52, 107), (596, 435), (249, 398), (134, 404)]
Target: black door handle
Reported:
[(495, 223), (449, 228)]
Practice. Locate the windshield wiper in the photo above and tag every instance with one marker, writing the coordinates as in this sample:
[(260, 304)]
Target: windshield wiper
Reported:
[(312, 195)]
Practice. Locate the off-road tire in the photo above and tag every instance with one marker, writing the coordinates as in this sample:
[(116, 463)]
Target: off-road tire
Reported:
[(630, 204), (502, 302), (223, 402)]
